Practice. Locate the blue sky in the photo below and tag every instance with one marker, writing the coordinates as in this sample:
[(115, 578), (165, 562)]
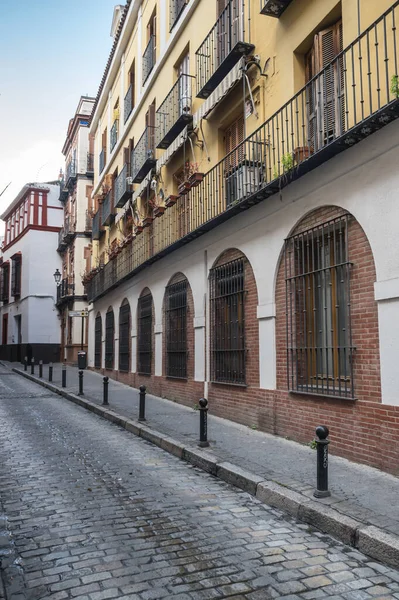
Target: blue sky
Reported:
[(51, 52)]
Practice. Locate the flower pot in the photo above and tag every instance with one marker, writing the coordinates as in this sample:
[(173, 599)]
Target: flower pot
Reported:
[(195, 179), (147, 221), (171, 200), (302, 153), (184, 188), (158, 211)]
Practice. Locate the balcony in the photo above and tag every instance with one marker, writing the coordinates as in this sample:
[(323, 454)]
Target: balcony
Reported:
[(302, 135), (175, 10), (63, 191), (222, 48), (143, 155), (108, 212), (65, 291), (274, 8), (97, 228), (70, 173), (128, 103), (90, 165), (88, 222), (174, 113), (113, 138), (148, 58), (102, 160), (66, 234), (123, 191)]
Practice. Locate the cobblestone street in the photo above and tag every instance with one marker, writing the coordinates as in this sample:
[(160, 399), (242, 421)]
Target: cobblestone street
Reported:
[(91, 512)]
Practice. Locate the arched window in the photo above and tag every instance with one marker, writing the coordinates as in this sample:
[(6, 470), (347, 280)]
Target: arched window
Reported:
[(124, 336), (109, 339), (176, 329), (227, 297), (144, 334), (97, 341)]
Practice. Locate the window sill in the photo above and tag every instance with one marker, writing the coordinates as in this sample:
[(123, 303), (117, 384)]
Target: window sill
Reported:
[(145, 374), (321, 395), (240, 385), (177, 378)]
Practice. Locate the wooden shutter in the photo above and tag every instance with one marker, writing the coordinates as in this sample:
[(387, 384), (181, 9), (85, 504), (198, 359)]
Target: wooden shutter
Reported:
[(234, 136), (104, 139)]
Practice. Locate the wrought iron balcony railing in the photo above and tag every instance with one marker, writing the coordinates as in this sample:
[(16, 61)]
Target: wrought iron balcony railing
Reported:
[(102, 160), (70, 173), (107, 208), (97, 228), (63, 191), (128, 103), (88, 221), (299, 137), (176, 8), (65, 290), (123, 191), (90, 164), (149, 58), (66, 234), (143, 155), (113, 137), (174, 113), (273, 8), (223, 47)]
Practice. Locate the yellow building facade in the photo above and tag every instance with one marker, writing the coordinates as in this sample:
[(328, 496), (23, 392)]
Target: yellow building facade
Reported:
[(219, 127)]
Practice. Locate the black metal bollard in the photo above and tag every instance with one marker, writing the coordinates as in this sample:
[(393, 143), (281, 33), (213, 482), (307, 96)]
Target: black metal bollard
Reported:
[(203, 408), (32, 366), (322, 490), (142, 403), (50, 372), (26, 363), (63, 376), (105, 391), (80, 393), (40, 368)]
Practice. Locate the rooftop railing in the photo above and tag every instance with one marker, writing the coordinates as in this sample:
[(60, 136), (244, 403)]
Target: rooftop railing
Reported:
[(175, 112), (223, 47), (308, 130)]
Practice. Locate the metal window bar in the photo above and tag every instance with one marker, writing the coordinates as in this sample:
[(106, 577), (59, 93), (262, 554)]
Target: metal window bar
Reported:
[(176, 330), (143, 155), (16, 277), (128, 103), (70, 171), (107, 209), (97, 342), (90, 162), (290, 143), (124, 338), (319, 341), (122, 188), (227, 297), (109, 339), (175, 112), (144, 335), (5, 289), (148, 58), (176, 9), (113, 137), (102, 160)]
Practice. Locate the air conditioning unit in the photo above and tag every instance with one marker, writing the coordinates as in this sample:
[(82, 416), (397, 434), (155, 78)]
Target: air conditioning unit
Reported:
[(242, 181)]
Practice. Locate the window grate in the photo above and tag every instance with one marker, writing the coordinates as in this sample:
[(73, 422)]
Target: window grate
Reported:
[(227, 297), (319, 339), (124, 338), (109, 339), (16, 276), (5, 283), (97, 342), (144, 337), (176, 330)]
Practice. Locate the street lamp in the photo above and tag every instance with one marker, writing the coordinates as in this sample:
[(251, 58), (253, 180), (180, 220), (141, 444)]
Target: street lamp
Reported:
[(57, 277)]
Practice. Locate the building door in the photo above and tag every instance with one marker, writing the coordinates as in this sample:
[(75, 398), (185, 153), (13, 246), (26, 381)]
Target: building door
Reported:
[(325, 94)]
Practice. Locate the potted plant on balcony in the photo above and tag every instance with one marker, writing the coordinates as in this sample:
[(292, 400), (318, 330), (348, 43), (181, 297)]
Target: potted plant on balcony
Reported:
[(171, 200), (302, 153), (188, 177), (157, 205), (195, 176)]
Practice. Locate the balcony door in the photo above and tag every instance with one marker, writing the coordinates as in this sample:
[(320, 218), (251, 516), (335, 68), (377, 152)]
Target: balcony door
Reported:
[(325, 93), (183, 70)]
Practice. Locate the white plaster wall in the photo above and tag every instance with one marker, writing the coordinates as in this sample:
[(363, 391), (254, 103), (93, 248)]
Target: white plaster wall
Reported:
[(363, 180)]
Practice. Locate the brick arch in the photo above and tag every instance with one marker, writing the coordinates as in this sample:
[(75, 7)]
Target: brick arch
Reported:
[(307, 411), (236, 402)]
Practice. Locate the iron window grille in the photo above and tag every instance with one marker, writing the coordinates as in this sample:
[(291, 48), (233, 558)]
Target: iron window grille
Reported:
[(144, 337), (319, 338), (16, 276), (124, 338), (227, 297), (97, 342), (176, 330), (5, 283), (109, 339)]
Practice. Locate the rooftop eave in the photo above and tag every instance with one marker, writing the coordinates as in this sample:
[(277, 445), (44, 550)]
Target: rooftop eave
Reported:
[(21, 196)]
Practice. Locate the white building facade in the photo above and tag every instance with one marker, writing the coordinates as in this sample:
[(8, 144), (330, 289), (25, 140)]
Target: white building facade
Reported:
[(30, 324)]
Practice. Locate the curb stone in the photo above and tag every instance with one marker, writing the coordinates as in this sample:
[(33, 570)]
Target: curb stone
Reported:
[(372, 541)]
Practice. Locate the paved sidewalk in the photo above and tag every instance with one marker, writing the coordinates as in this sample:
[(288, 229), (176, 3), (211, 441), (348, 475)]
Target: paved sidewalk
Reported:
[(358, 491)]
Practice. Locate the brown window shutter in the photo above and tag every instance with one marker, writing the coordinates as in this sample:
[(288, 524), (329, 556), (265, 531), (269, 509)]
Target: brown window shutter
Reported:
[(104, 139)]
